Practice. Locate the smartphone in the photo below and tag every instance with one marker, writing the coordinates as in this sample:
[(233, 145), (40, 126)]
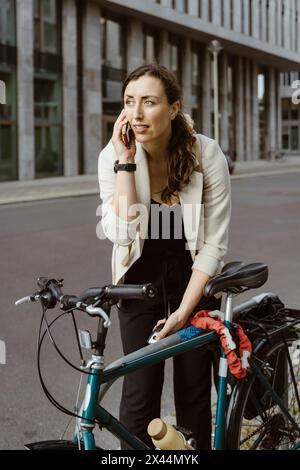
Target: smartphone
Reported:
[(127, 134)]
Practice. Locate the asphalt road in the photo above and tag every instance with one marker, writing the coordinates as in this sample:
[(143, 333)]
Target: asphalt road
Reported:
[(58, 238)]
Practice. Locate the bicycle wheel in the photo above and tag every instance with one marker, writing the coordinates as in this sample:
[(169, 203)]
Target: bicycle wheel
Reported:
[(255, 421)]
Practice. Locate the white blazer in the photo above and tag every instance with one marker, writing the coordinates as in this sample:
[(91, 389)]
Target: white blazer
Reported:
[(206, 226)]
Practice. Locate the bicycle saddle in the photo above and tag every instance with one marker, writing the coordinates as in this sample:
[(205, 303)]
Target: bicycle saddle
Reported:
[(237, 277)]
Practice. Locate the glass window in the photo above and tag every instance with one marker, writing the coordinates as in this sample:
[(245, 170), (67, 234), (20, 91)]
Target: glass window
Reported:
[(149, 48), (195, 69), (113, 63), (285, 106), (260, 86), (7, 22), (285, 114), (8, 129), (48, 127), (113, 44), (46, 32), (175, 55), (285, 141), (174, 58), (294, 112), (150, 52), (295, 137)]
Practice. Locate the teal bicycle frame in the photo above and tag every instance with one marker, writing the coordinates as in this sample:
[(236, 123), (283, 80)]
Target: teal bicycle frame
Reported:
[(183, 340)]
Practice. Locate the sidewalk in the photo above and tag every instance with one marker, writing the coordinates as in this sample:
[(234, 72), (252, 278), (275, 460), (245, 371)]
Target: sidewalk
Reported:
[(86, 185)]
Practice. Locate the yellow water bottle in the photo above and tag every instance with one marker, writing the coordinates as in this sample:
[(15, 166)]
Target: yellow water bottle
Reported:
[(166, 437)]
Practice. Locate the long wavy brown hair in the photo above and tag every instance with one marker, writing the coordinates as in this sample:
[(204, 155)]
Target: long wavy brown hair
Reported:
[(181, 162)]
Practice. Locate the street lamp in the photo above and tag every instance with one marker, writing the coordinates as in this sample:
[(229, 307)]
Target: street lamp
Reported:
[(215, 48)]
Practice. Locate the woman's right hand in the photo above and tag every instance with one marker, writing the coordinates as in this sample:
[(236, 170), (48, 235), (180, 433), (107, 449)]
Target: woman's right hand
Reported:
[(125, 154)]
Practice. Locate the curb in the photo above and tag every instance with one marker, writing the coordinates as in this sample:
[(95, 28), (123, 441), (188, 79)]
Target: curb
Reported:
[(278, 171), (43, 195)]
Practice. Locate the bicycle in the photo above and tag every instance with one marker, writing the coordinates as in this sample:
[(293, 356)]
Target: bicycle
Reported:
[(258, 412)]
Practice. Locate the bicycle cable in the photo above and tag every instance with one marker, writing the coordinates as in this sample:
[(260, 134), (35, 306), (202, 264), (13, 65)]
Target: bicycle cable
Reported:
[(58, 350), (50, 397), (46, 391)]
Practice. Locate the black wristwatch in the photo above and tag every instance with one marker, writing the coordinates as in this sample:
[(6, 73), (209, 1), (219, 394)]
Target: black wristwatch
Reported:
[(124, 166)]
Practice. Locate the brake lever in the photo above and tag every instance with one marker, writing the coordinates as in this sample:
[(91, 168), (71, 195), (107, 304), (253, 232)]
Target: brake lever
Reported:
[(98, 311)]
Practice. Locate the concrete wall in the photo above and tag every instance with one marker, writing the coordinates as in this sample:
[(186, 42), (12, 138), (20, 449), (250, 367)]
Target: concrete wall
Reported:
[(70, 102), (92, 98), (25, 89)]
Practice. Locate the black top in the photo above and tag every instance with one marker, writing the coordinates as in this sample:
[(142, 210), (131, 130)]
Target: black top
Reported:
[(165, 229), (165, 260)]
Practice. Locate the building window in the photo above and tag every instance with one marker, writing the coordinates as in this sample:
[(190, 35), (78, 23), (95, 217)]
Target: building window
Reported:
[(262, 109), (8, 127), (260, 28), (8, 111), (282, 25), (175, 55), (242, 18), (113, 43), (222, 13), (210, 12), (7, 22), (285, 109), (295, 138), (231, 14), (196, 85), (291, 127), (276, 23), (150, 44), (46, 20), (296, 31), (285, 140), (48, 120), (294, 111), (267, 21), (186, 6), (250, 17), (113, 69), (48, 126)]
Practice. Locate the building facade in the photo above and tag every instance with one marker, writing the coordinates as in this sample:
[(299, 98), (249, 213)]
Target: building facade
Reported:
[(63, 62), (290, 113)]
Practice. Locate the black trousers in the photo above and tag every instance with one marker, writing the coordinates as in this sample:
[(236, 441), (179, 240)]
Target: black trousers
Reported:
[(142, 389)]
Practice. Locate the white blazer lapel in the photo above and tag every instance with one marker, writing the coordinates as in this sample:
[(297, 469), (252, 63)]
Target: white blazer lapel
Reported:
[(192, 211)]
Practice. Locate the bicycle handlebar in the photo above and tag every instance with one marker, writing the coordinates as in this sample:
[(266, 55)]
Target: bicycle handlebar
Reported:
[(51, 293), (131, 291)]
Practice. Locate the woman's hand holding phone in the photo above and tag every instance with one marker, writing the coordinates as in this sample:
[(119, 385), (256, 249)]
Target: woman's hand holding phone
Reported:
[(123, 139)]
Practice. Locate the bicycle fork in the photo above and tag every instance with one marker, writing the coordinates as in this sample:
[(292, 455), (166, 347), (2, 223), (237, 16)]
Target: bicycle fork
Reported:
[(220, 420)]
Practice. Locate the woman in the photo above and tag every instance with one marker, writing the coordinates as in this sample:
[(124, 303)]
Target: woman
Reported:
[(172, 170)]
